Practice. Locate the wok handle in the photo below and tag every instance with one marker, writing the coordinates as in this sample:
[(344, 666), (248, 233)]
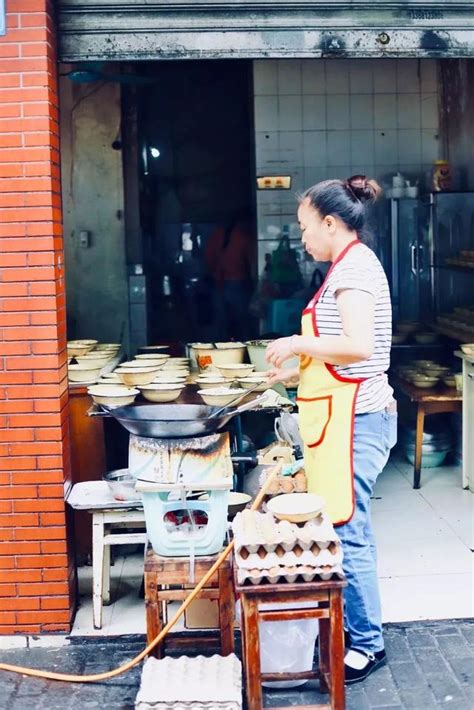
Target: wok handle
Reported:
[(249, 405), (95, 412)]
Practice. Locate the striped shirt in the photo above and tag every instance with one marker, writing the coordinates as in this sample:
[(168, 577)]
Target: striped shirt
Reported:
[(361, 270)]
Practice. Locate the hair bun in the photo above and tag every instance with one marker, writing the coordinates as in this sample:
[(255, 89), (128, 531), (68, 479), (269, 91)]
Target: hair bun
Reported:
[(364, 190)]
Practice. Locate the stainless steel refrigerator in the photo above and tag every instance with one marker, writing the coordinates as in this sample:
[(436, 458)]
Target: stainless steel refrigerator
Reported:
[(415, 238), (404, 246), (452, 232)]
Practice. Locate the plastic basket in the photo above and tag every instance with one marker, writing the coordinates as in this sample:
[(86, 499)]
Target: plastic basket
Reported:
[(187, 540)]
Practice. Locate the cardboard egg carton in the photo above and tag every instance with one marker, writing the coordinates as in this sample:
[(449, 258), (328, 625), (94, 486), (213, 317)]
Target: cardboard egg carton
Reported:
[(212, 683), (253, 530), (288, 574), (296, 557)]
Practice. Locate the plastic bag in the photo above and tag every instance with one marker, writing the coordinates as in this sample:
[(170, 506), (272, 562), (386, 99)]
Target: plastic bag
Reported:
[(286, 646)]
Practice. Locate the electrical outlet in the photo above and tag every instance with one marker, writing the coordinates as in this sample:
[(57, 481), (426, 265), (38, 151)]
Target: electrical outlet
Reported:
[(84, 239)]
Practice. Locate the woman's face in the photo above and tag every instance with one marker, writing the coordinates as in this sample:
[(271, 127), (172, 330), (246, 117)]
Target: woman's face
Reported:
[(316, 232)]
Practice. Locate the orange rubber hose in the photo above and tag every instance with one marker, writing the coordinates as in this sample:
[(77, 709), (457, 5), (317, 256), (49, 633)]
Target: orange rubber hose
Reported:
[(50, 675)]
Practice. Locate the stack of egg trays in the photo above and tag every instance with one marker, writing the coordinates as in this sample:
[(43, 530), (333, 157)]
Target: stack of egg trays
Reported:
[(289, 575), (269, 550)]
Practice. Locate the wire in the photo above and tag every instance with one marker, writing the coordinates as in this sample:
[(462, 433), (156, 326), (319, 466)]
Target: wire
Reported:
[(94, 678)]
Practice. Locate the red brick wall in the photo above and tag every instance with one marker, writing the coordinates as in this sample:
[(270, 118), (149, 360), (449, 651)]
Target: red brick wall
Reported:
[(35, 569)]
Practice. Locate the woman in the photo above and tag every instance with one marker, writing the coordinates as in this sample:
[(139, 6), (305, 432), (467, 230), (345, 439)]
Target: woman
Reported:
[(347, 413)]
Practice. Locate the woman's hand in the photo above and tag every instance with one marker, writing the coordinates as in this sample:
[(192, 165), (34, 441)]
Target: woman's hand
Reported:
[(290, 376), (279, 351)]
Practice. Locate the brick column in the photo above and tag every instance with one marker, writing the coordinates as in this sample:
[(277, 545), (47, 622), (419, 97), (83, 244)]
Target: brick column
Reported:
[(36, 573)]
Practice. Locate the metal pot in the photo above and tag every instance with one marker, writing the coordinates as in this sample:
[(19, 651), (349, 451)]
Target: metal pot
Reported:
[(176, 421)]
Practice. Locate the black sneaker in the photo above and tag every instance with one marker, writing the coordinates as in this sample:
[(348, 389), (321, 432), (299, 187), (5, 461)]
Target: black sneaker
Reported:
[(360, 664)]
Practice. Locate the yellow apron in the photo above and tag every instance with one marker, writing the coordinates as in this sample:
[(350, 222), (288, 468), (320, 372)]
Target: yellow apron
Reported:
[(326, 404)]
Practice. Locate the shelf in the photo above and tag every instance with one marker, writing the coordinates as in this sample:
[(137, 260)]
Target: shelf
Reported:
[(453, 333), (457, 265), (418, 346)]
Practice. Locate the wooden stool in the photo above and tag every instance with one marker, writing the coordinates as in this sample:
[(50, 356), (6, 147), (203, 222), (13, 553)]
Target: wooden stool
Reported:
[(331, 635), (161, 573)]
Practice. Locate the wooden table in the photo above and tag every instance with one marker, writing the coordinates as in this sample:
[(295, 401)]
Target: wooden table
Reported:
[(438, 400), (111, 523), (329, 611), (88, 459)]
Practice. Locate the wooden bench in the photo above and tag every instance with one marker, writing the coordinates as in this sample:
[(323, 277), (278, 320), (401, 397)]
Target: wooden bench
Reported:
[(168, 579), (329, 611)]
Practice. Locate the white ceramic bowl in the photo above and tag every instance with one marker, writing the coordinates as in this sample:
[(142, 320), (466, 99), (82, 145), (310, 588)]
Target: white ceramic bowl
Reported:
[(468, 349), (81, 373), (135, 376), (424, 381), (435, 370), (211, 357), (108, 346), (147, 362), (423, 363), (237, 502), (229, 345), (211, 382), (184, 374), (92, 343), (398, 338), (93, 360), (426, 338), (110, 377), (449, 380), (160, 357), (159, 392), (219, 396), (75, 349), (257, 350), (296, 507), (140, 364), (248, 382), (112, 395), (235, 370), (173, 364)]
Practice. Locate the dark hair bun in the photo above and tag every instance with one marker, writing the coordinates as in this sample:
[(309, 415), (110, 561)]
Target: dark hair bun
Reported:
[(364, 190)]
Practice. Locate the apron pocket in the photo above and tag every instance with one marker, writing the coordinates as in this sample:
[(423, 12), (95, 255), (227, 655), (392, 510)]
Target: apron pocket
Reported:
[(314, 416)]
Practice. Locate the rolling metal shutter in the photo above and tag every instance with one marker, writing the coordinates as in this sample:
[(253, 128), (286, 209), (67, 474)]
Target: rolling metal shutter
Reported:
[(204, 29)]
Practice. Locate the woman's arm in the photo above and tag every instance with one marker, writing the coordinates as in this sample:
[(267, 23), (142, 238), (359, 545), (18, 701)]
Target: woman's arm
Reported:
[(356, 343)]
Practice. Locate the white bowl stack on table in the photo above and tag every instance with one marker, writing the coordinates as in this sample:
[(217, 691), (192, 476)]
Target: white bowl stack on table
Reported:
[(87, 359)]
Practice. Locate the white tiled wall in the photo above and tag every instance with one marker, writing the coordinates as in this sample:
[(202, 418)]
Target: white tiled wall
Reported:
[(317, 119)]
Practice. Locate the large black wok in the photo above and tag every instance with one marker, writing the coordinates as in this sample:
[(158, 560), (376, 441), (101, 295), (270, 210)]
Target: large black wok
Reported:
[(175, 421)]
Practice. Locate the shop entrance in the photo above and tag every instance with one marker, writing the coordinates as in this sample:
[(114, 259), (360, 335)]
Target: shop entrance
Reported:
[(196, 198)]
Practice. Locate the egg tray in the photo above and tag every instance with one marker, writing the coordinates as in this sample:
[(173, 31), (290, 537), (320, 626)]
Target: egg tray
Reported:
[(288, 574), (296, 557), (253, 530), (286, 484), (212, 683)]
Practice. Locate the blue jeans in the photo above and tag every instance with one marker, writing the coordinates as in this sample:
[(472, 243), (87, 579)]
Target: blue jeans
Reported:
[(374, 435)]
